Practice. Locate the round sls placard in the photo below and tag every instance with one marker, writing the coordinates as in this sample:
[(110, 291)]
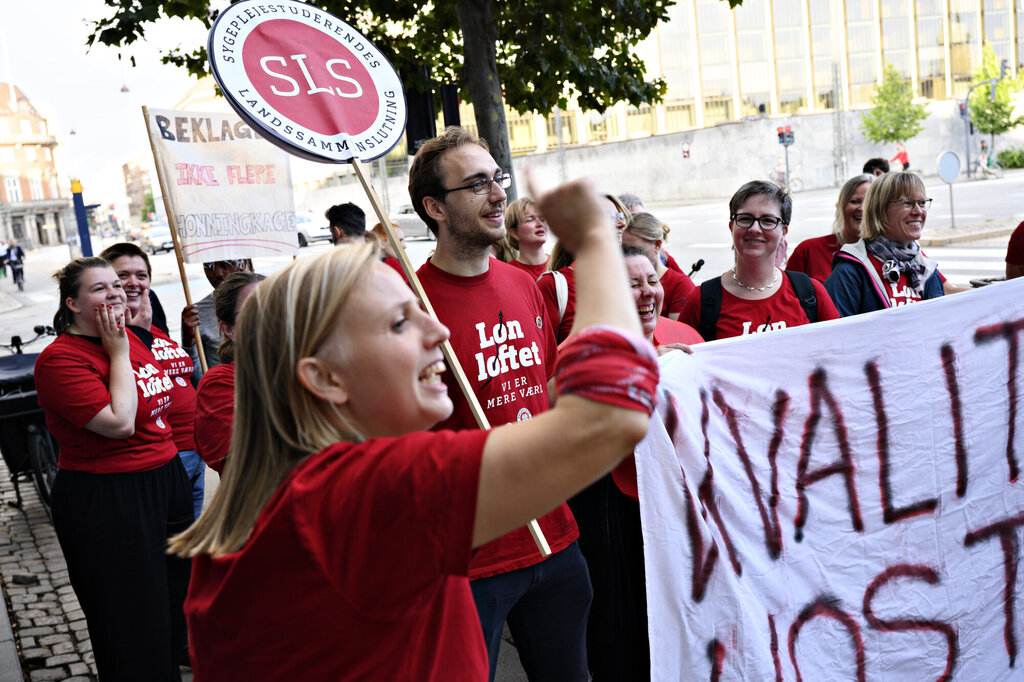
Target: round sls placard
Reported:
[(308, 81), (949, 166)]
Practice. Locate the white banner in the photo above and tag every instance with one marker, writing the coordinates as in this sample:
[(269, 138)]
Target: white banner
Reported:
[(842, 501), (230, 190)]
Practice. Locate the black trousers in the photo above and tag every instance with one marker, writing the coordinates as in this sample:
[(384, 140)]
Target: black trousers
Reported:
[(113, 530)]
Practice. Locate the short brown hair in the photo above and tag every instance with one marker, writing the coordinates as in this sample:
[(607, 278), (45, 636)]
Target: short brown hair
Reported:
[(889, 187), (121, 249), (768, 190), (425, 174)]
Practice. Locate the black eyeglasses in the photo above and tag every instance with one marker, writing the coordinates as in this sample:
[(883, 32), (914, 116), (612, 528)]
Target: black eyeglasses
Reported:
[(483, 185), (746, 221)]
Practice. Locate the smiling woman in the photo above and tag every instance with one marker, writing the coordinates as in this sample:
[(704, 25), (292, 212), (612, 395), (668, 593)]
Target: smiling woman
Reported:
[(886, 268), (753, 296)]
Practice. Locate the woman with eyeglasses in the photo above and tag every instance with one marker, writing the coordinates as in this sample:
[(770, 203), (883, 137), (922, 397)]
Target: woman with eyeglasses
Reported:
[(215, 398), (755, 295), (814, 256), (886, 268)]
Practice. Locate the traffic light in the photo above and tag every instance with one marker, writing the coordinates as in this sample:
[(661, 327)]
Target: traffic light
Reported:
[(963, 110), (1004, 67), (782, 134), (789, 136)]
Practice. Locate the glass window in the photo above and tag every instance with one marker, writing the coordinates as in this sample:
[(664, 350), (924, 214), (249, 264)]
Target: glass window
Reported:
[(824, 48), (752, 52), (13, 187), (1020, 35), (30, 153), (640, 121), (964, 43), (26, 126), (47, 155), (7, 154), (790, 55), (569, 135), (5, 128), (996, 19), (676, 39), (715, 64), (35, 188), (862, 49), (931, 52)]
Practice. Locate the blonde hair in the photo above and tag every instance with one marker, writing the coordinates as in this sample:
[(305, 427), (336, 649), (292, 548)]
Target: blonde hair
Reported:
[(851, 186), (647, 227), (889, 187), (515, 213), (277, 423)]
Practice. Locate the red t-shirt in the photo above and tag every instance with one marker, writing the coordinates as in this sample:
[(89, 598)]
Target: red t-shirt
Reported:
[(671, 264), (739, 317), (178, 365), (215, 414), (393, 262), (1015, 249), (813, 257), (677, 287), (667, 331), (546, 285), (899, 293), (533, 271), (355, 570), (501, 335), (72, 377)]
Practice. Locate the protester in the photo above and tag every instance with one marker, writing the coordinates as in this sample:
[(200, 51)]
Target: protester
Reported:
[(503, 339), (136, 274), (755, 296), (558, 289), (3, 258), (875, 167), (647, 233), (338, 544), (15, 257), (886, 268), (1015, 253), (526, 233), (215, 398), (901, 156), (120, 489), (608, 514), (814, 256), (347, 223), (201, 314), (619, 214), (388, 254)]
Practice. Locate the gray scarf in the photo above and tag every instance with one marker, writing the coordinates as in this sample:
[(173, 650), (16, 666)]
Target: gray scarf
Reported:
[(896, 259)]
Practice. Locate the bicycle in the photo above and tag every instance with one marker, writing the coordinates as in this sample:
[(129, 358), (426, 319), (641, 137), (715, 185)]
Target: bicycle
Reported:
[(992, 169), (25, 444), (18, 273)]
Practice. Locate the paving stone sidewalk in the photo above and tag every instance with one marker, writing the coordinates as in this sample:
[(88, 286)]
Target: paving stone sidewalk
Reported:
[(48, 623)]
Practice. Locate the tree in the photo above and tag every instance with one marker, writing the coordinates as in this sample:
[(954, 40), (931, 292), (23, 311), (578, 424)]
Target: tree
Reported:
[(547, 50), (148, 207), (994, 116), (894, 117)]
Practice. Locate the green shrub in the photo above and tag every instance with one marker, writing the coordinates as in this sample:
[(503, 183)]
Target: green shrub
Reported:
[(1012, 157)]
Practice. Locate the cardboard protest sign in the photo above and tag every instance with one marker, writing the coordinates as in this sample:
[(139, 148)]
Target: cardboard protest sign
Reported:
[(228, 192), (841, 500)]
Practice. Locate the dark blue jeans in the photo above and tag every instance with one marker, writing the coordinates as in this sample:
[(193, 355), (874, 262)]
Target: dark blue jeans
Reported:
[(546, 606)]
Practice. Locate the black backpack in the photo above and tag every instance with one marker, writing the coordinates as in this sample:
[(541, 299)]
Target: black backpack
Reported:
[(711, 302)]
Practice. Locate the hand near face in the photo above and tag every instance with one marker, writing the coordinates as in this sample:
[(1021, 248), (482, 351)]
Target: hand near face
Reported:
[(572, 211), (143, 315), (111, 327), (189, 323)]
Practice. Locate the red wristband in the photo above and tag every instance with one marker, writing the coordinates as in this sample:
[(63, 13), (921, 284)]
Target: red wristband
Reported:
[(609, 366)]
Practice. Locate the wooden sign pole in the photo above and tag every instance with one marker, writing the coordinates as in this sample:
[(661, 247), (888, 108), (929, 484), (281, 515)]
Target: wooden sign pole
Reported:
[(446, 347), (172, 221)]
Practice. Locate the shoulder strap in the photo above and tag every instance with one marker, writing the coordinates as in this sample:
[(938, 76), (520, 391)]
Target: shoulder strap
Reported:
[(710, 307), (804, 289), (561, 292)]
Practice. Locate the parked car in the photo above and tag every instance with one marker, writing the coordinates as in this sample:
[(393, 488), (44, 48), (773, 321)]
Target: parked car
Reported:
[(405, 217), (157, 238), (307, 231)]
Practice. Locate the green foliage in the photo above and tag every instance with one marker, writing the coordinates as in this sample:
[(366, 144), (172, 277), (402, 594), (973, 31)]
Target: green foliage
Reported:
[(895, 117), (148, 206), (547, 50), (994, 117), (1012, 157)]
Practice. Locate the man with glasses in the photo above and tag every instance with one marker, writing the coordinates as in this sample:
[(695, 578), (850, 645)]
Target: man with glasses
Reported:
[(501, 336)]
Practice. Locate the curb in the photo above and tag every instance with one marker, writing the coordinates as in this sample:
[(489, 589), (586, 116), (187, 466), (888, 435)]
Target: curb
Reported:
[(10, 661)]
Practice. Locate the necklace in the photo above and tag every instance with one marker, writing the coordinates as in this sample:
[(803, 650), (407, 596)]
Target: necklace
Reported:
[(774, 281)]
